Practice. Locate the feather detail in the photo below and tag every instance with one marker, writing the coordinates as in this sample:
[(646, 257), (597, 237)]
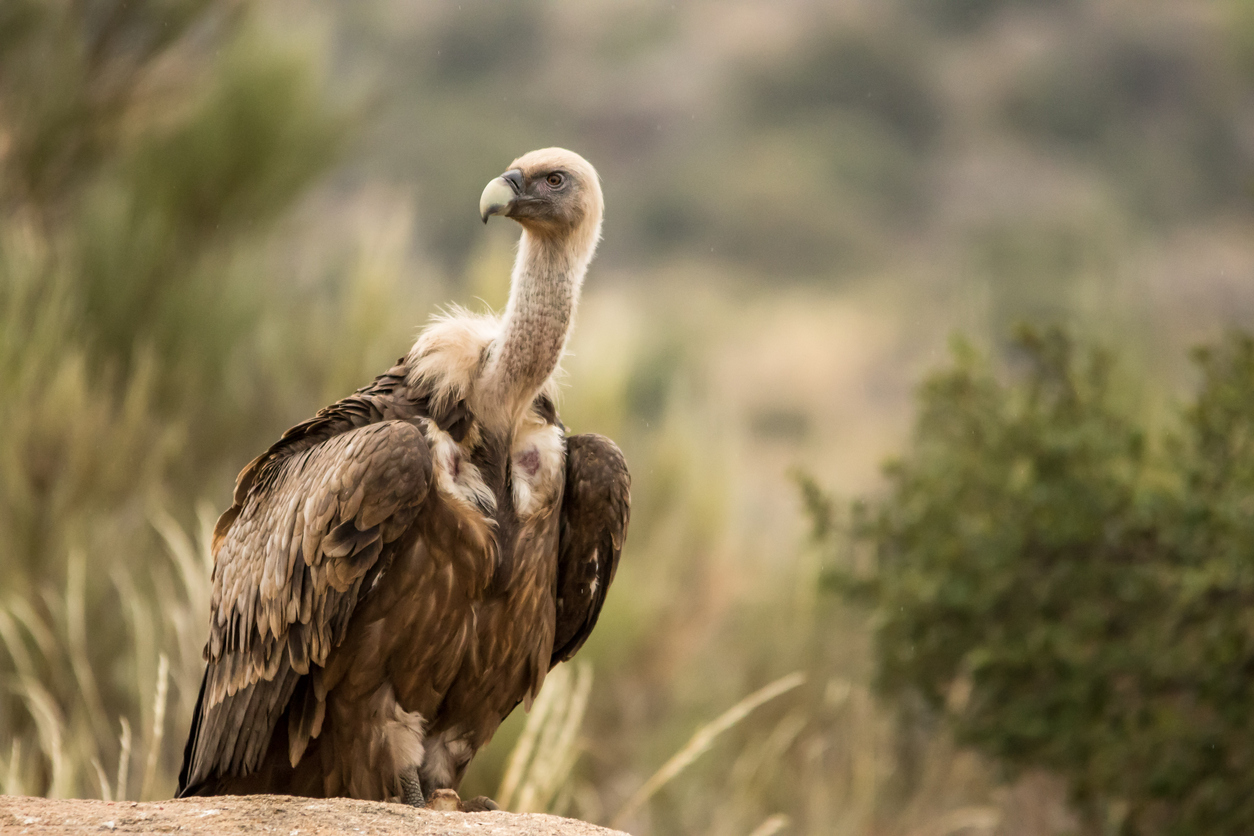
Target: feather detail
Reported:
[(289, 568), (595, 514)]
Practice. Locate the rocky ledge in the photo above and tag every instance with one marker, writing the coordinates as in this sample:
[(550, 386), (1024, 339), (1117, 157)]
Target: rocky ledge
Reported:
[(278, 814)]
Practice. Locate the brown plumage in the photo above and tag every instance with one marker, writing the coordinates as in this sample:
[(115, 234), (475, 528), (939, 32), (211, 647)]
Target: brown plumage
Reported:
[(398, 572)]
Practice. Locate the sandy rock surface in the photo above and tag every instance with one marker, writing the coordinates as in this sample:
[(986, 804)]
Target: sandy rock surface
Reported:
[(278, 814)]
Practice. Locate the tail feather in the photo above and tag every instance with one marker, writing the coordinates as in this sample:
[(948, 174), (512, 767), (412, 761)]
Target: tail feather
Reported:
[(189, 750)]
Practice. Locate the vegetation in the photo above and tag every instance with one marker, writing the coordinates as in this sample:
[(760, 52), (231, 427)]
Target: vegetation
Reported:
[(150, 150), (1073, 588), (217, 216)]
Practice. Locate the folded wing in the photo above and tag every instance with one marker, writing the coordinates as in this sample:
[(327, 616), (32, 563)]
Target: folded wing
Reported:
[(309, 532), (596, 506)]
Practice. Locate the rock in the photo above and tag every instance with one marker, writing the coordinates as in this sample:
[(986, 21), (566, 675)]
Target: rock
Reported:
[(282, 815)]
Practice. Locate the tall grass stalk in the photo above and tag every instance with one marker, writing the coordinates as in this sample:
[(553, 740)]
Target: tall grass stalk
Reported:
[(12, 640), (546, 751), (76, 638), (106, 793), (702, 740), (58, 687), (42, 635), (48, 723), (965, 820), (13, 773), (124, 758), (772, 825), (157, 733), (753, 761)]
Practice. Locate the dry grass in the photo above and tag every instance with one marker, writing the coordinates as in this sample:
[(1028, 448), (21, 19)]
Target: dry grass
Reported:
[(74, 736), (701, 741), (541, 761)]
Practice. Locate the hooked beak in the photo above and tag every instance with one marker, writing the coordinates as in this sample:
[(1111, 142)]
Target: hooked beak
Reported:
[(500, 195)]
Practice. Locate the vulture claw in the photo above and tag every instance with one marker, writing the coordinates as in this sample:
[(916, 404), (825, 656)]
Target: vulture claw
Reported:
[(479, 804)]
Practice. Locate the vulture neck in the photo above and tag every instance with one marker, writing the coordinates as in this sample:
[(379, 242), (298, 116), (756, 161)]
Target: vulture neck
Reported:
[(548, 274)]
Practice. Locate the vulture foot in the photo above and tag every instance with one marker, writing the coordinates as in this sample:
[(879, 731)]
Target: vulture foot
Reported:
[(479, 804), (448, 801), (411, 788)]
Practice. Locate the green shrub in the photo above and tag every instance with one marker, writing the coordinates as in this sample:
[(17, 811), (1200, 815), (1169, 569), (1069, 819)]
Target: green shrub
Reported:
[(1075, 593)]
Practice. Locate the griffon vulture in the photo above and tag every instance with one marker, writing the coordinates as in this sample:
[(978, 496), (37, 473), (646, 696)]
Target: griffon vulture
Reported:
[(398, 572)]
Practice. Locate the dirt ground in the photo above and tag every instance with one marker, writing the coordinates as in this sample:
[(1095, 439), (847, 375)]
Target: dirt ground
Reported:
[(278, 814)]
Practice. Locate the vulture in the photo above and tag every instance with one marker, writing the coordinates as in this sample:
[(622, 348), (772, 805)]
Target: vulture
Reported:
[(400, 571)]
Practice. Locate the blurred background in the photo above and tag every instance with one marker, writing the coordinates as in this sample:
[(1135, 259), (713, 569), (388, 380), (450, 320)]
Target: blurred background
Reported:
[(216, 216)]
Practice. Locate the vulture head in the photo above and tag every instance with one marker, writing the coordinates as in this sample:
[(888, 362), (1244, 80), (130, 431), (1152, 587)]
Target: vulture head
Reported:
[(552, 193)]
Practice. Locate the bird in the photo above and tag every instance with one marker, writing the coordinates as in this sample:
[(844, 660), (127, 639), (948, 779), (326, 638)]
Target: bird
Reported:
[(397, 573)]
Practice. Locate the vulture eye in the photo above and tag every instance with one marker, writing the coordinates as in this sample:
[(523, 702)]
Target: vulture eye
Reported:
[(555, 179)]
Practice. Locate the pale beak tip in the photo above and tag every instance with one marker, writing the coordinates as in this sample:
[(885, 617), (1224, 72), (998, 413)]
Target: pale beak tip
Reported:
[(496, 199)]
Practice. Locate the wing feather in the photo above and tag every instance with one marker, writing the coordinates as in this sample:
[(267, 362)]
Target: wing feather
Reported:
[(596, 507), (311, 518)]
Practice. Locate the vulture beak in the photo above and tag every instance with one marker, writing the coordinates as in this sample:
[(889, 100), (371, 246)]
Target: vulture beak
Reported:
[(500, 195)]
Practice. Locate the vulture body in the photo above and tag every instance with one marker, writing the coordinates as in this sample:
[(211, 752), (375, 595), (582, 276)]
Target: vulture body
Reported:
[(398, 572)]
